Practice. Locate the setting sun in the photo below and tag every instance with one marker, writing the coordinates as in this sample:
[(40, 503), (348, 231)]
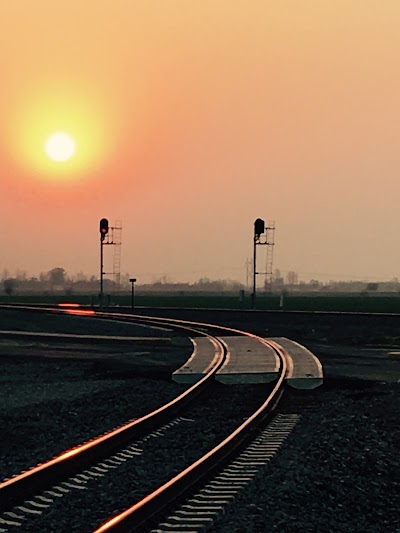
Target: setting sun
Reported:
[(59, 131), (60, 146)]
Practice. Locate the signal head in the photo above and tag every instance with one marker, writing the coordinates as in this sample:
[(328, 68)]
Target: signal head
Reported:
[(103, 228), (259, 227)]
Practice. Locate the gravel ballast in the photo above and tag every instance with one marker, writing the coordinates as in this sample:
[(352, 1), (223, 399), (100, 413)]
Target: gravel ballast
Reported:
[(338, 471), (161, 455), (71, 409)]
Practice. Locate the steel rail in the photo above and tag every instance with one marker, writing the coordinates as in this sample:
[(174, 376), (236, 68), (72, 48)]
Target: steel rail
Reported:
[(19, 487), (201, 467), (138, 515)]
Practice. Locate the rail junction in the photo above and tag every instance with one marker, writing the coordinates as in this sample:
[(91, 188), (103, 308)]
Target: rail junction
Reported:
[(194, 498)]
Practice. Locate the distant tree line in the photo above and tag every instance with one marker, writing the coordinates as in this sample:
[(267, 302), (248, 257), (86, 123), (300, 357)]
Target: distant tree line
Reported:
[(57, 280), (291, 283)]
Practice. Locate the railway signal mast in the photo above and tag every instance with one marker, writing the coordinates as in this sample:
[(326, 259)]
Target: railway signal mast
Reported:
[(109, 238), (261, 229), (103, 233)]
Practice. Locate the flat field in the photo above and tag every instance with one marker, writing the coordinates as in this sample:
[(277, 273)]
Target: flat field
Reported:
[(351, 303)]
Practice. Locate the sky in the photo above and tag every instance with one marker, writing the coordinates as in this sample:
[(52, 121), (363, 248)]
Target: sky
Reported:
[(192, 118)]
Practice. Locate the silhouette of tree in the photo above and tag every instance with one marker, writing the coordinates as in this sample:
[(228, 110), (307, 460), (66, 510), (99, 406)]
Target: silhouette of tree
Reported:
[(57, 276), (10, 285)]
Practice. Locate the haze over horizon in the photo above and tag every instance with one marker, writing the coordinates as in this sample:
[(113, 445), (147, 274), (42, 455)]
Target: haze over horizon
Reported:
[(187, 121)]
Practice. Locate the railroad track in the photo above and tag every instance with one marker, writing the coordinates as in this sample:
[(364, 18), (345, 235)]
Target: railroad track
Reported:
[(145, 513)]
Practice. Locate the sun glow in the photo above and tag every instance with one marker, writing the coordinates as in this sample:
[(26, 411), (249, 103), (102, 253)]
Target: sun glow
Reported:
[(60, 131), (60, 146)]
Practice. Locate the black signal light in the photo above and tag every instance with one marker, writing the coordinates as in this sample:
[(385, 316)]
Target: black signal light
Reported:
[(103, 228), (259, 227)]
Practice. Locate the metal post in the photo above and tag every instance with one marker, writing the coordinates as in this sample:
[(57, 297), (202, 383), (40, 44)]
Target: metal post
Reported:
[(259, 228), (253, 295), (101, 272), (133, 280), (103, 232)]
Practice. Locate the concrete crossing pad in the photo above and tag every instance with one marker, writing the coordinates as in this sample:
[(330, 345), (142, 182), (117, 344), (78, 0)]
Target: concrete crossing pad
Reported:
[(202, 360), (249, 361), (304, 369)]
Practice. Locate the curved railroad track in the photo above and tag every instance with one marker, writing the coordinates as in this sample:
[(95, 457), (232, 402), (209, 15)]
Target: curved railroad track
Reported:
[(26, 483), (144, 513)]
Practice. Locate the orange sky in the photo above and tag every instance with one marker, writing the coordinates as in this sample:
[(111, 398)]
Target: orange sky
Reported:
[(193, 118)]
